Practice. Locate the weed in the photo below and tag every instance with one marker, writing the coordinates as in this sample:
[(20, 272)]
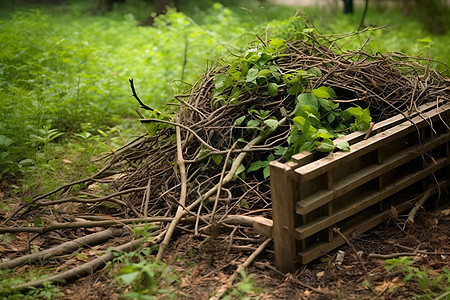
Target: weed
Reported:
[(432, 287)]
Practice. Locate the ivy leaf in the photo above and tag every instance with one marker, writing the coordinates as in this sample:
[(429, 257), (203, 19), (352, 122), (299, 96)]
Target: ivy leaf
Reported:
[(308, 99), (324, 92), (344, 146), (217, 158), (256, 165), (315, 72), (272, 89), (239, 121), (271, 123), (325, 146), (266, 172), (253, 123), (219, 81), (252, 75)]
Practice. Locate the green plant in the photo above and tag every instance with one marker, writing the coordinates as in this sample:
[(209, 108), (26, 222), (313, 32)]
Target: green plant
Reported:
[(10, 277), (148, 279), (436, 287), (245, 289)]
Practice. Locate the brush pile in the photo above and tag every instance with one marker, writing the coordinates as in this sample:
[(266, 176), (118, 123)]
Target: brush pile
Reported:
[(204, 172)]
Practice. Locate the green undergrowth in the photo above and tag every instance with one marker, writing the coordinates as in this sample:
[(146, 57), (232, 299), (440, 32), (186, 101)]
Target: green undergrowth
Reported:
[(64, 73)]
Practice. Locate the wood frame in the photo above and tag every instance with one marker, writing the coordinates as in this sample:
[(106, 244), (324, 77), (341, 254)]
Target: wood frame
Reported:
[(354, 191)]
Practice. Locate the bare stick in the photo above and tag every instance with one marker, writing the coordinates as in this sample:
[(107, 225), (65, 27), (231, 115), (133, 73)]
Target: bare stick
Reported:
[(219, 188), (363, 266), (417, 206), (180, 210), (67, 247), (137, 98), (240, 268), (83, 224), (182, 126), (83, 270)]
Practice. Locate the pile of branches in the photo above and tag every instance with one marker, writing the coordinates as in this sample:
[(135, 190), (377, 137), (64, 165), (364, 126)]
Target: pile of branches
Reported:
[(174, 179)]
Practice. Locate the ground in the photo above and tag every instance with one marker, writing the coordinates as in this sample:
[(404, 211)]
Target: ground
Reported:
[(203, 269)]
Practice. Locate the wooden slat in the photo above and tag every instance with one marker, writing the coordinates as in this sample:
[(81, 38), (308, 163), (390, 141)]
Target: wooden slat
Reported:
[(321, 166), (283, 217), (366, 201), (305, 157), (356, 229), (359, 178)]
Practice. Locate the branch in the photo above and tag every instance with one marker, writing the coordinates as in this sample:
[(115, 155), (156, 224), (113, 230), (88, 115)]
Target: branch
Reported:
[(82, 224), (182, 126), (240, 268), (418, 205), (180, 210), (67, 247), (358, 257), (137, 98)]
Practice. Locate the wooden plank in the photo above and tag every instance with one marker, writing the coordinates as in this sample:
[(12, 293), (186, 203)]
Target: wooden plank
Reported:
[(321, 166), (283, 215), (356, 229), (367, 174), (366, 201), (305, 157), (263, 226)]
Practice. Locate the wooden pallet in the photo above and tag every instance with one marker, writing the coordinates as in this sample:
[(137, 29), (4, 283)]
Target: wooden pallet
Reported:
[(354, 191)]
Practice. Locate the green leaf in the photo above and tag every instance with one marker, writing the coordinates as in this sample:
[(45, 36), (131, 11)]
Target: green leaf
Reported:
[(324, 92), (240, 169), (272, 89), (266, 172), (356, 111), (296, 88), (308, 99), (325, 146), (271, 123), (252, 75), (5, 141), (219, 81), (344, 146), (244, 204), (239, 121), (128, 278), (323, 133), (217, 158), (316, 72), (253, 123), (280, 150), (256, 166)]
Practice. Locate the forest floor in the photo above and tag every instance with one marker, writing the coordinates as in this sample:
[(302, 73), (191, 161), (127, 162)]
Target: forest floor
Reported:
[(322, 279), (203, 268)]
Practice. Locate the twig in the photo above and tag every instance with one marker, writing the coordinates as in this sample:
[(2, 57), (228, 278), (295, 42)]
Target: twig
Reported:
[(137, 98), (67, 247), (220, 292), (219, 188), (147, 197), (182, 126), (86, 268), (417, 206), (358, 257), (180, 211), (83, 224)]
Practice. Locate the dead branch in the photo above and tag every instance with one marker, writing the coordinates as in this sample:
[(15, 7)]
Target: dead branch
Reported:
[(84, 224), (67, 247), (180, 212), (363, 266), (417, 206), (220, 292)]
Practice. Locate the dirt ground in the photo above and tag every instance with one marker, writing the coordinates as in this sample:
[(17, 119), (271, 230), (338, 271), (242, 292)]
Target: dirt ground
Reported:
[(204, 267)]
